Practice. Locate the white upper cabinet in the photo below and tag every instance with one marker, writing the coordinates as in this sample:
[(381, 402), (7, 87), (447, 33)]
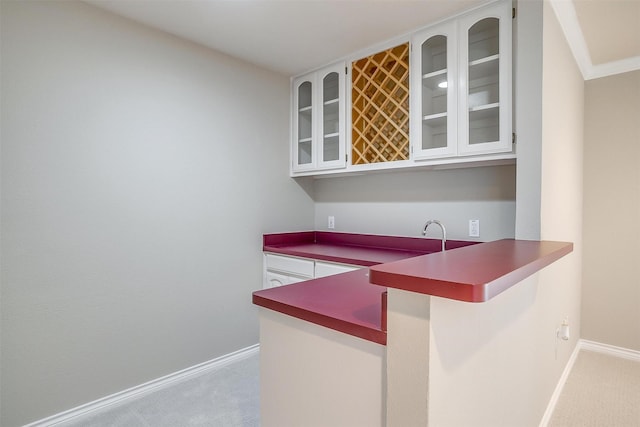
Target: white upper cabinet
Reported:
[(434, 74), (461, 86), (485, 81), (318, 133), (459, 101)]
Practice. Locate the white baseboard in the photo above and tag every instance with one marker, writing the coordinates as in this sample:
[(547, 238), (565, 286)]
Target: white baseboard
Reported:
[(586, 345), (556, 392), (611, 350), (146, 388), (166, 381)]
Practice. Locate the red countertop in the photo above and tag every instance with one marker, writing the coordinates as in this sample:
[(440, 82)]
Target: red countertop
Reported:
[(345, 302), (355, 302), (474, 273), (357, 249)]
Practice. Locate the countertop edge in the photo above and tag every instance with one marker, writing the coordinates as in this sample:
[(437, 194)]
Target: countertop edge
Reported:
[(364, 332), (490, 268), (500, 285), (289, 244), (468, 291)]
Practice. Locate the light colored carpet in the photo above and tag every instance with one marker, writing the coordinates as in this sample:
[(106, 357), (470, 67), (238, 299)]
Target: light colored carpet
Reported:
[(601, 391), (224, 397)]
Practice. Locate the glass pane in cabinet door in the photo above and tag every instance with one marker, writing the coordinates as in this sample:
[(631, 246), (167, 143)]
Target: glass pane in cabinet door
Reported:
[(484, 39), (484, 126), (434, 92), (331, 117), (305, 121), (483, 81)]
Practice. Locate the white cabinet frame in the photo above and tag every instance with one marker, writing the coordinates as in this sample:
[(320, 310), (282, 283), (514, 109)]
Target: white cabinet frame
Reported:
[(420, 80), (327, 115), (502, 12)]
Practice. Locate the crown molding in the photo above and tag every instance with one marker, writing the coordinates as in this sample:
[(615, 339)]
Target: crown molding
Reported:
[(615, 67), (566, 14)]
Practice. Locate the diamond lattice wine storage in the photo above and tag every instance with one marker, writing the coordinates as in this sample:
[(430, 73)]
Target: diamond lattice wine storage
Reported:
[(380, 107)]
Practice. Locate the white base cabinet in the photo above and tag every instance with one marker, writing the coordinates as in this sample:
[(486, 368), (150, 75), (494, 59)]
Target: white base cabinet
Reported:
[(282, 270), (324, 269), (273, 280)]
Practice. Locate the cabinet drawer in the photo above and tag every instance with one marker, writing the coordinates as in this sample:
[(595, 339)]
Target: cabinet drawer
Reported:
[(274, 280), (300, 267), (327, 269)]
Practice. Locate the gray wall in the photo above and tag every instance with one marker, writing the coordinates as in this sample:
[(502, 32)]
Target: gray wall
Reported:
[(138, 174), (527, 80), (399, 203)]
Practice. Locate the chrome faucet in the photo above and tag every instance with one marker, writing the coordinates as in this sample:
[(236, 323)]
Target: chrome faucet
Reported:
[(444, 232)]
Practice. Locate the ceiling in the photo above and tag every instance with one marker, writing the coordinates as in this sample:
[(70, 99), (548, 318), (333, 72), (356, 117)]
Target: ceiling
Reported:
[(294, 36), (604, 35)]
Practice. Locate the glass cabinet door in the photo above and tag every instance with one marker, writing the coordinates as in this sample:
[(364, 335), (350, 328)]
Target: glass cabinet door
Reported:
[(434, 74), (303, 125), (486, 98), (330, 118), (331, 136), (318, 138)]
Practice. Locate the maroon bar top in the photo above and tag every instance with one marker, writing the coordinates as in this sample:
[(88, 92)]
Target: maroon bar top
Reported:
[(473, 273), (356, 249), (353, 303), (345, 302)]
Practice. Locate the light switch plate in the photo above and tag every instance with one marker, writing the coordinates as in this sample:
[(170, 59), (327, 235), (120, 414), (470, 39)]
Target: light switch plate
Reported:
[(331, 222)]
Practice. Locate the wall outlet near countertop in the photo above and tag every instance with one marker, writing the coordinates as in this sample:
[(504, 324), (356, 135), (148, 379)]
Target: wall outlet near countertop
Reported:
[(331, 222), (474, 228)]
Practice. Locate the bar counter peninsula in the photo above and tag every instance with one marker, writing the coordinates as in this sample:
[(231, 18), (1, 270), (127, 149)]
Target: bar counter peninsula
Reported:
[(383, 344)]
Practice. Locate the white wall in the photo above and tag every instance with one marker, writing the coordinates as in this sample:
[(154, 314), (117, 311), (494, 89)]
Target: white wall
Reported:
[(399, 203), (139, 172), (611, 290), (486, 356), (561, 201), (502, 358), (313, 376)]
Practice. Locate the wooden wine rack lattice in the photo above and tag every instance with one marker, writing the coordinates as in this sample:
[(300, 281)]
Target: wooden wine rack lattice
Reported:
[(380, 107)]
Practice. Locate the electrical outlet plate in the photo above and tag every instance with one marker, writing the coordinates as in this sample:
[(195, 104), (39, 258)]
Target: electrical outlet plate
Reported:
[(331, 222), (474, 228)]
